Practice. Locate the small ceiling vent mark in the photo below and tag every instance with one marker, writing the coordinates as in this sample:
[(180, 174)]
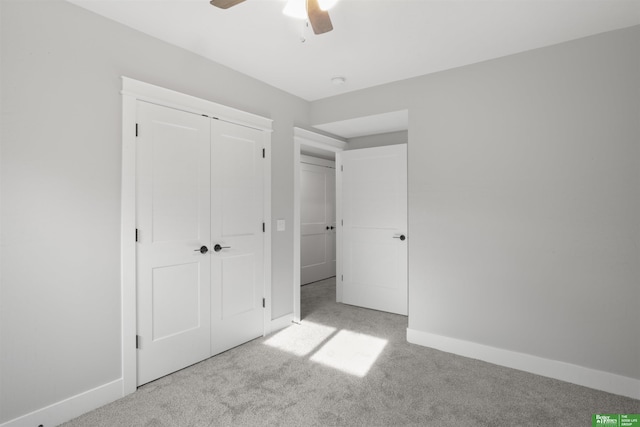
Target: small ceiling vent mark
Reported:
[(338, 81)]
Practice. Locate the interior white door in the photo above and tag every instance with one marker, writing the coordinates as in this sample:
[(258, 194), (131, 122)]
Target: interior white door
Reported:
[(374, 212), (317, 223), (237, 193), (173, 219)]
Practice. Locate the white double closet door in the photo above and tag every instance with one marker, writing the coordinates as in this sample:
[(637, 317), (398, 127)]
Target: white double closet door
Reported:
[(317, 220), (199, 216)]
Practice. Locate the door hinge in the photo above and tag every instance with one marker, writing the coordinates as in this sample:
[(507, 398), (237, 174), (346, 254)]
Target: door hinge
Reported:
[(341, 168), (342, 277), (264, 303), (137, 341), (342, 222), (136, 234), (264, 153), (136, 129), (264, 228)]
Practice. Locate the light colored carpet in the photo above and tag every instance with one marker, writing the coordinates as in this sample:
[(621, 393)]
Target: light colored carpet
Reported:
[(313, 374)]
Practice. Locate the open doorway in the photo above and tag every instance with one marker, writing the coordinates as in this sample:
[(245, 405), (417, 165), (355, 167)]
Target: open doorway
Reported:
[(362, 132), (306, 143)]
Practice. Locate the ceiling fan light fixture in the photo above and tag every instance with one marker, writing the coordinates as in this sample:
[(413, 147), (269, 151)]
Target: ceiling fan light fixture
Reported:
[(296, 9), (309, 10), (327, 4)]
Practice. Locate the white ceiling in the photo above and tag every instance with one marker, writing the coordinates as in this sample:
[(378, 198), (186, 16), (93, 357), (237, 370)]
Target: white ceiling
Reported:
[(373, 41)]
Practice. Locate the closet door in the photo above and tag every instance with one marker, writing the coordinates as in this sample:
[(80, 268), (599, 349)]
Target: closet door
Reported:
[(317, 223), (237, 278), (173, 220), (200, 252)]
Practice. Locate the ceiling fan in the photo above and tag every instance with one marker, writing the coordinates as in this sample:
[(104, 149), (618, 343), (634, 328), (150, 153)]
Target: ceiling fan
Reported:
[(319, 19)]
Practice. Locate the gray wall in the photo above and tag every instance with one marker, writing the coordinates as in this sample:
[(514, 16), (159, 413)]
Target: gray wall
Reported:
[(60, 173), (378, 140), (524, 199)]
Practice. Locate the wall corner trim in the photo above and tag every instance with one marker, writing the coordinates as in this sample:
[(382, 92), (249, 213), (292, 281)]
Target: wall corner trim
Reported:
[(599, 380), (70, 408)]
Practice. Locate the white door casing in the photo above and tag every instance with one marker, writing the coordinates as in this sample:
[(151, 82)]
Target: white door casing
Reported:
[(305, 140), (373, 207), (317, 221)]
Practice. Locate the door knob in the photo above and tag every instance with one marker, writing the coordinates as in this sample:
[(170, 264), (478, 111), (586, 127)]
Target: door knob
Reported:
[(401, 237), (332, 227), (218, 248), (202, 250), (327, 227)]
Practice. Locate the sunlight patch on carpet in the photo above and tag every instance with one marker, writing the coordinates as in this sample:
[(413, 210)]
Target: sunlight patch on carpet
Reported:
[(350, 352), (300, 339)]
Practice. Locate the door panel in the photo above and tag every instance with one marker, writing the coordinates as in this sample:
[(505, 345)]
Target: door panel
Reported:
[(314, 251), (237, 280), (374, 211), (237, 285), (317, 216), (237, 178), (173, 305), (313, 197), (175, 182), (173, 210), (373, 184)]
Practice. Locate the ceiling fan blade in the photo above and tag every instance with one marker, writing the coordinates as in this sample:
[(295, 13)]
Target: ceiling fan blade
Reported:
[(225, 4), (319, 19)]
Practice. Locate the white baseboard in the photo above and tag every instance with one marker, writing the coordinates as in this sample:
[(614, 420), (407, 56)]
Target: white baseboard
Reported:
[(70, 408), (279, 323), (575, 374)]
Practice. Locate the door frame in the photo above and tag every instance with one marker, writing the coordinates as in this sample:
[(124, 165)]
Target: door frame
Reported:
[(132, 92), (304, 139)]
